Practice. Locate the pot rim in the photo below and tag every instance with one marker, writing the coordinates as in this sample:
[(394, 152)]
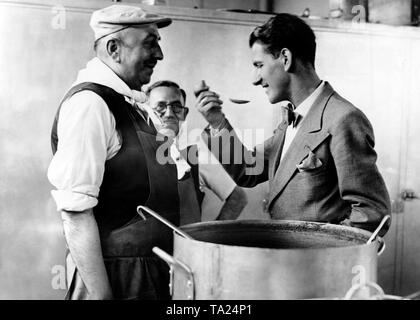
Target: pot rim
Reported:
[(316, 226)]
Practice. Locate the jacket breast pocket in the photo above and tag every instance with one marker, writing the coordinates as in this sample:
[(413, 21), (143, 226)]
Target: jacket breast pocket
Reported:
[(315, 181), (307, 174), (311, 185)]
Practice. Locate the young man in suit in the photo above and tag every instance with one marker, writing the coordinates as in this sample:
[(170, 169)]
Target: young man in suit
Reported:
[(320, 162), (197, 168)]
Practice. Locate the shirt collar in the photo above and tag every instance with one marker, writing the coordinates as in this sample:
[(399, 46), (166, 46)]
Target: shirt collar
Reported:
[(98, 72), (304, 107), (182, 165)]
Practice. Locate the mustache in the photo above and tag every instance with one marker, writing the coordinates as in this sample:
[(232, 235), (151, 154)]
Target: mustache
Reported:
[(170, 121)]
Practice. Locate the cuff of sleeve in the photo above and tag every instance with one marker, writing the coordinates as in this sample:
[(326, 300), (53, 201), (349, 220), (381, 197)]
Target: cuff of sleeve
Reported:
[(212, 173), (227, 190), (73, 201), (214, 132)]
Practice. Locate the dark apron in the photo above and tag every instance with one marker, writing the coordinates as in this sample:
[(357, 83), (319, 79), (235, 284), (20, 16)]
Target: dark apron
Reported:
[(190, 207), (133, 270)]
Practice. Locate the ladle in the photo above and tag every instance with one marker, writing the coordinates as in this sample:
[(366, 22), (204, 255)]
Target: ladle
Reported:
[(162, 219)]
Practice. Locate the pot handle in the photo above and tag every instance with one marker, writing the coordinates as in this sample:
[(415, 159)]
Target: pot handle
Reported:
[(161, 219), (175, 263), (375, 235), (380, 294), (349, 295)]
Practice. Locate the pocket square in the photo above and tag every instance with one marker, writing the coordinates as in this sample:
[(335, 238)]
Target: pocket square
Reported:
[(311, 162)]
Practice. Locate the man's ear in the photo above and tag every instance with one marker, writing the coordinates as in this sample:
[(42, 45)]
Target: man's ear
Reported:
[(287, 59), (113, 48)]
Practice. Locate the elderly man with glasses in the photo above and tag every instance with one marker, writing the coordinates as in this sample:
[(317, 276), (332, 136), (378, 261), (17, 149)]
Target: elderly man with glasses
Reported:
[(197, 168)]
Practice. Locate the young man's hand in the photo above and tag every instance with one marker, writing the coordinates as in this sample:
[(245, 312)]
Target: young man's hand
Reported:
[(210, 106)]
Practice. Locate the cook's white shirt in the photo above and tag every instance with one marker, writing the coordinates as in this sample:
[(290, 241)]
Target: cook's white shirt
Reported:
[(87, 137)]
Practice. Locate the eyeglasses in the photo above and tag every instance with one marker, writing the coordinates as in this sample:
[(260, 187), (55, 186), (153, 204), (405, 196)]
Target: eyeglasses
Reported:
[(176, 107)]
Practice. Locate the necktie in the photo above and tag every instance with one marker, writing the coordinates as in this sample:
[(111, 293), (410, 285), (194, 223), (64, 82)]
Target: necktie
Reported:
[(290, 116)]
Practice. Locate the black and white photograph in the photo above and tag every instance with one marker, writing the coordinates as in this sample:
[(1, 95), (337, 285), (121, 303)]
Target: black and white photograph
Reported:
[(222, 151)]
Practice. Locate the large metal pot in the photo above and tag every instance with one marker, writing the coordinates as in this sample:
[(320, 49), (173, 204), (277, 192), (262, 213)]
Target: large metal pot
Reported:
[(276, 259)]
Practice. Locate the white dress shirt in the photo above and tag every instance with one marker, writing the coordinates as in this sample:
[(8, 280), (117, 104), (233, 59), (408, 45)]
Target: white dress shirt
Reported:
[(212, 175), (87, 137), (302, 109)]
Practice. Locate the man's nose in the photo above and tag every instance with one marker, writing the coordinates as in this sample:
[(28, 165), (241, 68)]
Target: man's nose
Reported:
[(169, 113), (257, 80), (158, 53)]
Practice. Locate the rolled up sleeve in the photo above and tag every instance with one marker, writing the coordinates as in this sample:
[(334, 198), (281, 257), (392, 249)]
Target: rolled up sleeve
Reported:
[(86, 139)]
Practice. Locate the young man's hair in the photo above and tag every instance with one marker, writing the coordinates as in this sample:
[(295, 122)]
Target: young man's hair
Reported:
[(286, 31), (166, 83)]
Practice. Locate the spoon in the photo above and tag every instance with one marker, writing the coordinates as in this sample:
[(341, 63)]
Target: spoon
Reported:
[(239, 101), (202, 86)]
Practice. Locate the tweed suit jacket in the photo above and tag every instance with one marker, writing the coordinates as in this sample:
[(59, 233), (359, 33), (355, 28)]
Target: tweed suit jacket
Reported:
[(328, 173)]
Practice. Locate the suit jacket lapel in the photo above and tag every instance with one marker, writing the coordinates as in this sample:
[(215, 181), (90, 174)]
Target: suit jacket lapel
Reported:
[(309, 136), (280, 134)]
